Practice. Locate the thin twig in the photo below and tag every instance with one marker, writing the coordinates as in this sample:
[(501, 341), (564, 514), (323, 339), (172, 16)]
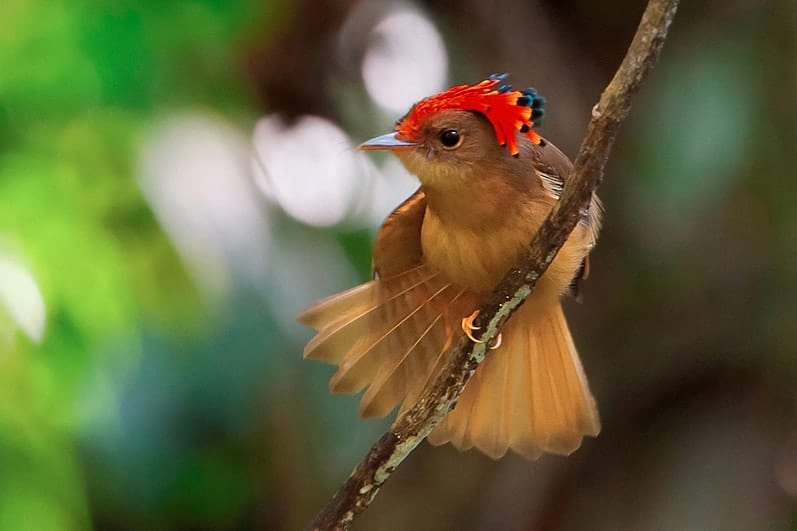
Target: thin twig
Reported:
[(465, 356)]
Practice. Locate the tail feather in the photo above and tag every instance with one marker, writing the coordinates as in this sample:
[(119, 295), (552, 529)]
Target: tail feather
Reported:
[(461, 432), (522, 428), (529, 396), (485, 430)]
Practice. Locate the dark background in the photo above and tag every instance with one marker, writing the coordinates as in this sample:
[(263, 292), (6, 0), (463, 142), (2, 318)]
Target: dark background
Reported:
[(178, 179)]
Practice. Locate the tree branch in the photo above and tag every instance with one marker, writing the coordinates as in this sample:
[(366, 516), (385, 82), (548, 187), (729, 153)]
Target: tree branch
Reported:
[(465, 356)]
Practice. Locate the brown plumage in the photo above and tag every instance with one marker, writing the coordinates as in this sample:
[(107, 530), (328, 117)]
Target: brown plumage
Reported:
[(437, 257)]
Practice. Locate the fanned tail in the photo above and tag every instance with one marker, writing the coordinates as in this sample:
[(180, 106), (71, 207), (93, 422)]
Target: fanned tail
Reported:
[(386, 335), (530, 395)]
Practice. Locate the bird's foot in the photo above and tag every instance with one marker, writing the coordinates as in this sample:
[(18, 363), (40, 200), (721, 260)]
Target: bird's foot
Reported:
[(468, 328)]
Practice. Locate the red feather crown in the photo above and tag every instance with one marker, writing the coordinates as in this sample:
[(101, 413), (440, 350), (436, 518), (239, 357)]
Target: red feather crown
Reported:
[(507, 110)]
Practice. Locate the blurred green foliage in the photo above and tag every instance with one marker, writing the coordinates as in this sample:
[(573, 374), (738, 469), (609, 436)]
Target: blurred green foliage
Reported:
[(80, 81)]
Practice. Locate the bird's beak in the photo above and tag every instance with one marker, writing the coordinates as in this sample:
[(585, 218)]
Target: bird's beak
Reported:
[(389, 142)]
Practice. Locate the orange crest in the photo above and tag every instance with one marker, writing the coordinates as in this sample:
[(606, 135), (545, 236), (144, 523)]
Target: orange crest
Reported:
[(509, 111)]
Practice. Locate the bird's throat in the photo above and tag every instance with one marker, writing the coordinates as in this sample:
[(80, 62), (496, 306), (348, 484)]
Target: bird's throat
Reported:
[(476, 207)]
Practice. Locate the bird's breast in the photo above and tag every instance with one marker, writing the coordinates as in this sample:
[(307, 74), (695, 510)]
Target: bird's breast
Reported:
[(478, 257), (475, 258)]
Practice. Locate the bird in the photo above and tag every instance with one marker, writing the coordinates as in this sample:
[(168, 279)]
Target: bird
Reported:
[(487, 180)]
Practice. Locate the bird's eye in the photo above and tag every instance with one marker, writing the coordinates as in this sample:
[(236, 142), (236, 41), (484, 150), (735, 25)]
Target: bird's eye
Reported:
[(450, 138)]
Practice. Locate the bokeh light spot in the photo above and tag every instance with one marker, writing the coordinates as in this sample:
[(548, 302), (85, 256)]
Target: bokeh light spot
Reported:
[(405, 62), (309, 168), (21, 298), (194, 174)]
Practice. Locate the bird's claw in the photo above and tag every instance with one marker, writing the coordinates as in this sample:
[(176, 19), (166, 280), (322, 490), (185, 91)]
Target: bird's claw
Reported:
[(468, 328), (495, 343)]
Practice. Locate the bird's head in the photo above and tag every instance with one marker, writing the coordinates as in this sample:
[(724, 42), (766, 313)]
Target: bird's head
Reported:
[(464, 131)]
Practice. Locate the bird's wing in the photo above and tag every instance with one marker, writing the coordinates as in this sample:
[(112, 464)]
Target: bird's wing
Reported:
[(398, 244), (574, 290), (553, 168), (388, 334)]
